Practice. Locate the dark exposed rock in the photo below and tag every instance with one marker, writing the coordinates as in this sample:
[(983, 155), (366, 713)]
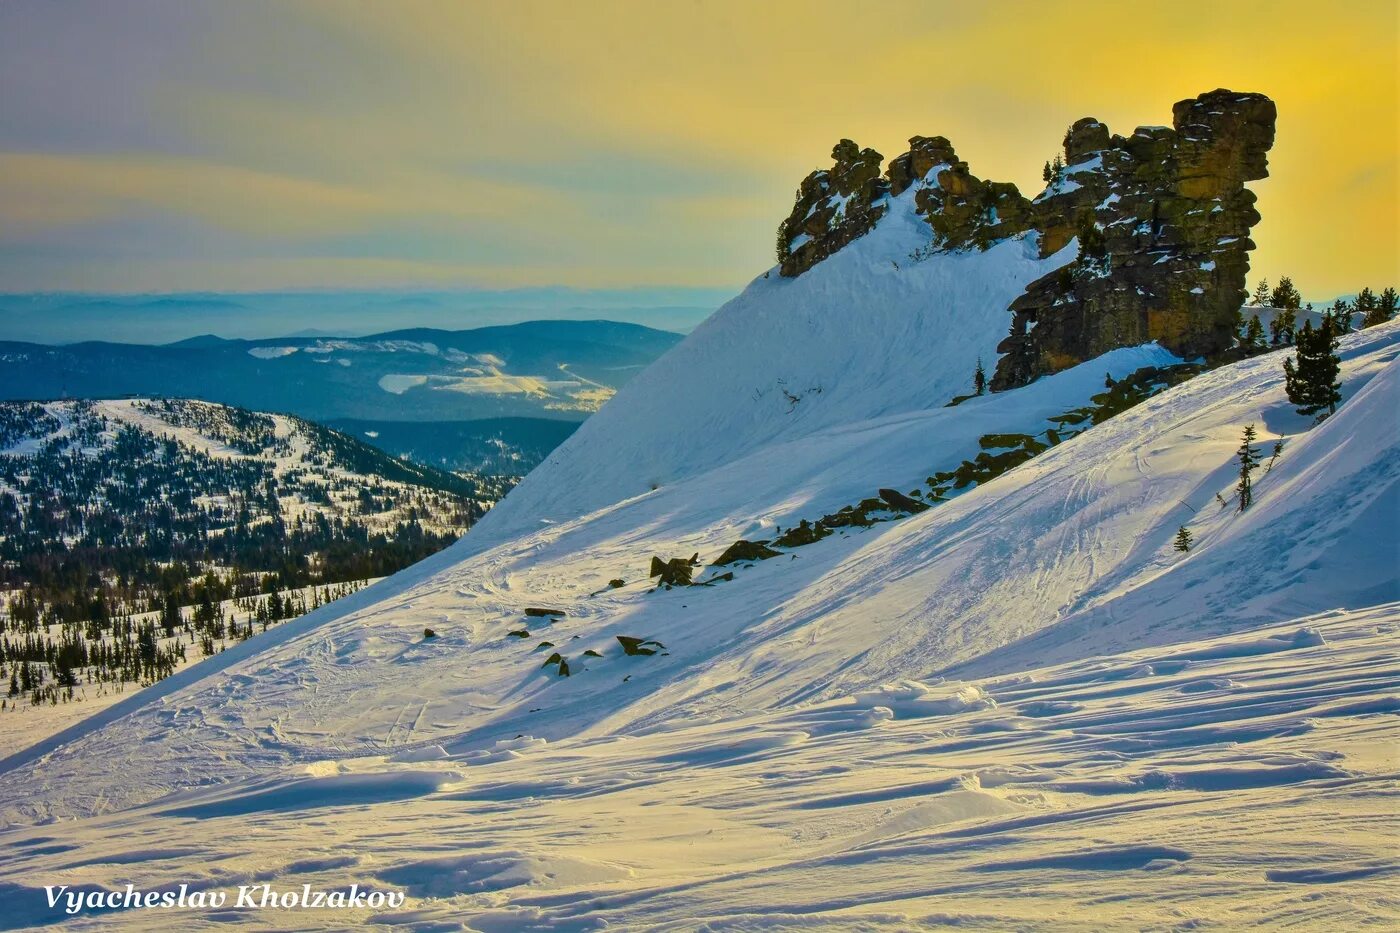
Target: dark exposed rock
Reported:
[(1067, 205), (674, 572), (536, 612), (1086, 138), (1162, 218), (803, 534), (1002, 441), (744, 550), (639, 646), (834, 207), (1166, 255), (861, 515), (965, 211), (925, 153), (902, 502)]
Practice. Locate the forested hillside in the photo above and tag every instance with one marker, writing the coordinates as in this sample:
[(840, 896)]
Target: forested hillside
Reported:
[(139, 534)]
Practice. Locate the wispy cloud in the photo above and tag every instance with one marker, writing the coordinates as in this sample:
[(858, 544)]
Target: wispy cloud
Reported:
[(264, 144)]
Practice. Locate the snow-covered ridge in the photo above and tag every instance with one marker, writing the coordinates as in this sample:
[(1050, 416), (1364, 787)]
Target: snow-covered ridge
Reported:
[(317, 471)]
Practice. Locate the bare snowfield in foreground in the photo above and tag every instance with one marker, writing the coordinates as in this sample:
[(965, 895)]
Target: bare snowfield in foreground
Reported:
[(1236, 780)]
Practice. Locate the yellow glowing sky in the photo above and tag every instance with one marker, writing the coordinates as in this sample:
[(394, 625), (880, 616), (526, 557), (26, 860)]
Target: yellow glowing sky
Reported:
[(250, 145)]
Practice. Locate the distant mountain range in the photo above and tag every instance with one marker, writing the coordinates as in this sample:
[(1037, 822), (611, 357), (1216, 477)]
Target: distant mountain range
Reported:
[(62, 318), (557, 370)]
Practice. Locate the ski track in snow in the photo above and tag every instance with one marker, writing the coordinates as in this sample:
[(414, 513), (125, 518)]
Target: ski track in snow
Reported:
[(1126, 735), (1237, 776)]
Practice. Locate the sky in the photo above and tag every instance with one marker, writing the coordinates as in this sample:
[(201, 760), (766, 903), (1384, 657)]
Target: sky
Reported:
[(252, 145)]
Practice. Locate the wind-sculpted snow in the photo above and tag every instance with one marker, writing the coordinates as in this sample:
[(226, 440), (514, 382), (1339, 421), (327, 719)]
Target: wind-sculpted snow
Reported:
[(1097, 790)]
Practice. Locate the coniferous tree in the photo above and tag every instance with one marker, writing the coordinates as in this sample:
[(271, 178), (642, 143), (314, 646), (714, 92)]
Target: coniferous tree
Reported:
[(1253, 341), (1340, 315), (1183, 539), (1387, 305), (1379, 309), (1285, 295), (1365, 305), (1283, 326), (1047, 173), (1311, 378), (1261, 294), (1248, 456), (63, 672), (979, 378)]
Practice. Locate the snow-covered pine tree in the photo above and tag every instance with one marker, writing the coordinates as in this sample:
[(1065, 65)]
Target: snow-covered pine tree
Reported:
[(1183, 539), (1248, 456), (1311, 378)]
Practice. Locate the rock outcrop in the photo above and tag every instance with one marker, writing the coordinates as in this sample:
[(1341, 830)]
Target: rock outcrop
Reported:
[(1162, 219), (834, 207), (1165, 252)]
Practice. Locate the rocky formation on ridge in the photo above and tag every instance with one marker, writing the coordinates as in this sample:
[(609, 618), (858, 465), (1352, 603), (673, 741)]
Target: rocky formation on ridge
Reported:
[(833, 208), (1162, 218), (1165, 254), (962, 209), (1068, 203)]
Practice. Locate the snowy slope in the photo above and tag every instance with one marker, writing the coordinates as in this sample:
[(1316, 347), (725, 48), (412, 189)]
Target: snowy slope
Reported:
[(867, 333), (792, 755), (1224, 782)]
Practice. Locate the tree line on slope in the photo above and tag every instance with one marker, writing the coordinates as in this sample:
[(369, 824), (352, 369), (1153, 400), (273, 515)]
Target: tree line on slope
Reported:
[(1286, 303)]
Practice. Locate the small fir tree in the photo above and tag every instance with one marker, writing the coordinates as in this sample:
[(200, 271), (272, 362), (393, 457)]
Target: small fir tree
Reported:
[(1283, 326), (1253, 341), (979, 378), (1379, 308), (1261, 294), (1386, 307), (1311, 377), (1340, 315), (1183, 539), (1248, 456), (1285, 295), (1365, 306), (1047, 173)]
